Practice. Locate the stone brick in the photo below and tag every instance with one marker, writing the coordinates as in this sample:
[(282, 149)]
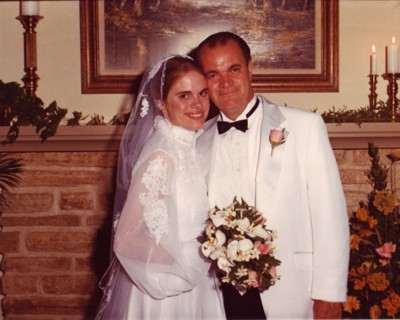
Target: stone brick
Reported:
[(353, 198), (83, 264), (57, 178), (353, 176), (342, 156), (72, 159), (63, 241), (99, 219), (41, 265), (106, 201), (61, 220), (77, 200), (48, 305), (75, 284), (12, 283), (30, 202), (9, 241)]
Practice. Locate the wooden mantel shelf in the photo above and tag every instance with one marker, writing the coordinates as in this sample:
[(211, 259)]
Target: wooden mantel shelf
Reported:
[(352, 136), (107, 137)]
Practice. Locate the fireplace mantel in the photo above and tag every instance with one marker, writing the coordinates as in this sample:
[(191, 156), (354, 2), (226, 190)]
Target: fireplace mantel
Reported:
[(107, 137)]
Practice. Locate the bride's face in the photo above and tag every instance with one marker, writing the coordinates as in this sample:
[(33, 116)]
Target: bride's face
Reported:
[(187, 103)]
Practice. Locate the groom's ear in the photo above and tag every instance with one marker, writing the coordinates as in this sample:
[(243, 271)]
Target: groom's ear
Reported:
[(250, 69)]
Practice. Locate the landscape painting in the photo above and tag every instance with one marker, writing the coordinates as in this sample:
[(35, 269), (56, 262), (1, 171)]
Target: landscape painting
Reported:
[(124, 37)]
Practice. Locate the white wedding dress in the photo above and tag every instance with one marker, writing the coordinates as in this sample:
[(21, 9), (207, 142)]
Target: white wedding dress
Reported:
[(156, 238)]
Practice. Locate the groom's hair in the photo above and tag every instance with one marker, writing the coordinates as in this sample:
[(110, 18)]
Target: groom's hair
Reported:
[(221, 39)]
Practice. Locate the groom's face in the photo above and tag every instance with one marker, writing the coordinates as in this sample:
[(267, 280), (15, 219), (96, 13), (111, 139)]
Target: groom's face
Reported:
[(228, 77)]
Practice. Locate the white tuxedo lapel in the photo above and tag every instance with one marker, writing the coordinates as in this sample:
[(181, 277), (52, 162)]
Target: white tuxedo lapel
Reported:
[(269, 166)]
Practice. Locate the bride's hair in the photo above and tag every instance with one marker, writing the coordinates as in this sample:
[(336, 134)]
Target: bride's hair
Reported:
[(176, 68)]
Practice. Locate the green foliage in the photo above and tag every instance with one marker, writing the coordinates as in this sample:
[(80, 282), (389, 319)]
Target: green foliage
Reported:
[(96, 120), (76, 118), (10, 168), (19, 108), (377, 175), (382, 113), (120, 119)]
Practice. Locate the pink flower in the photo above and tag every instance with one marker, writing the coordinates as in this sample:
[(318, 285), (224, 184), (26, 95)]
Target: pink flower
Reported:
[(253, 279), (262, 247), (276, 138), (386, 250)]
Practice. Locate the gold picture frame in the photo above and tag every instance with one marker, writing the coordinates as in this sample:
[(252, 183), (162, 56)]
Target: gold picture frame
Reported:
[(321, 77)]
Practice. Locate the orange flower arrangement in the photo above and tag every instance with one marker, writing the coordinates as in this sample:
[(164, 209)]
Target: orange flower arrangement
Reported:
[(374, 273)]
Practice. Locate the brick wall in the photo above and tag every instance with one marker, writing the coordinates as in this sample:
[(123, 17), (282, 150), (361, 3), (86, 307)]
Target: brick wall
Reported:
[(56, 234), (56, 231)]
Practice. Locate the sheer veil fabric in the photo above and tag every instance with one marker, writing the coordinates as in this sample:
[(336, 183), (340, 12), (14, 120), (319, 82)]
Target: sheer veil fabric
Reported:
[(161, 205)]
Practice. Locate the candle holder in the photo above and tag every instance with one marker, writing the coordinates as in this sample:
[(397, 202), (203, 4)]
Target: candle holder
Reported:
[(373, 80), (392, 90), (30, 78)]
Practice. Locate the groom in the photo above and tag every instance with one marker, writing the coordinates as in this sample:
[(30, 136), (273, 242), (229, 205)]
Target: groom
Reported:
[(296, 185)]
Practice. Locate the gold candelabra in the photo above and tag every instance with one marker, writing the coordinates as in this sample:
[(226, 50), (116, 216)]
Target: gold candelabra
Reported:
[(30, 78), (373, 80), (392, 90)]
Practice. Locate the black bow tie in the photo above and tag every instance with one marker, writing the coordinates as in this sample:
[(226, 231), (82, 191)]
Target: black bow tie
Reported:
[(242, 125)]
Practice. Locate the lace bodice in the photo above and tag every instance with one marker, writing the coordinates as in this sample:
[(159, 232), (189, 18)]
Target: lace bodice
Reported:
[(164, 214)]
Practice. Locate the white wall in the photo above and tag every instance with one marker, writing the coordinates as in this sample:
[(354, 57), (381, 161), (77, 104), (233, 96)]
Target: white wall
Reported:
[(362, 23)]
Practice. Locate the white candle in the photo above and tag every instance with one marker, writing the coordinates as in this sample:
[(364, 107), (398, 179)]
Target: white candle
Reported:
[(392, 61), (29, 8), (373, 61)]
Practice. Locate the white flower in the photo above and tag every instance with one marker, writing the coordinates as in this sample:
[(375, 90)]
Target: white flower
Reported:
[(145, 108), (219, 218), (258, 231), (239, 250), (242, 271), (224, 264), (219, 252), (214, 244), (242, 225)]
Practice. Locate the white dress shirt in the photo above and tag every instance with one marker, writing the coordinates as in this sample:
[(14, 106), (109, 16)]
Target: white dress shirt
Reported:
[(236, 160)]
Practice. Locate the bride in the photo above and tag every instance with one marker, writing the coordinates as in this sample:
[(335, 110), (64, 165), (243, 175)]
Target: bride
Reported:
[(157, 271)]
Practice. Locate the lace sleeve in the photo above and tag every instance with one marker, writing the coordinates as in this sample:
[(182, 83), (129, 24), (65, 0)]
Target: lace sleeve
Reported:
[(144, 218), (155, 210), (146, 237)]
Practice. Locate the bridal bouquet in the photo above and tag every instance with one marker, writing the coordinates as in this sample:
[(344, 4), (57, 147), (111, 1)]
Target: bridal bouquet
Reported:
[(240, 246)]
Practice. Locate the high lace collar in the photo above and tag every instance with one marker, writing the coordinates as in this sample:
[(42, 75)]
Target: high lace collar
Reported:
[(178, 133)]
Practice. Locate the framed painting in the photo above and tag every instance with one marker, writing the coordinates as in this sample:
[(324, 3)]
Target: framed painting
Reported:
[(294, 43)]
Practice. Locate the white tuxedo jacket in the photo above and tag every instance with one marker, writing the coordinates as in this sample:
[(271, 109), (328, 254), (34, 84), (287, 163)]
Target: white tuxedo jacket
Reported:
[(299, 191)]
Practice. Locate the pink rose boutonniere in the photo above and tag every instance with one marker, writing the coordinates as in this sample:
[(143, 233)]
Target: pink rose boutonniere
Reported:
[(276, 138)]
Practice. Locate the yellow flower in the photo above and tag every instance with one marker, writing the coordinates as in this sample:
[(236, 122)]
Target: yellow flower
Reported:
[(351, 304), (378, 281), (365, 233), (359, 284), (395, 299), (375, 312), (385, 201), (362, 214), (364, 268), (394, 156), (372, 222), (391, 309), (353, 272), (354, 241), (384, 262)]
